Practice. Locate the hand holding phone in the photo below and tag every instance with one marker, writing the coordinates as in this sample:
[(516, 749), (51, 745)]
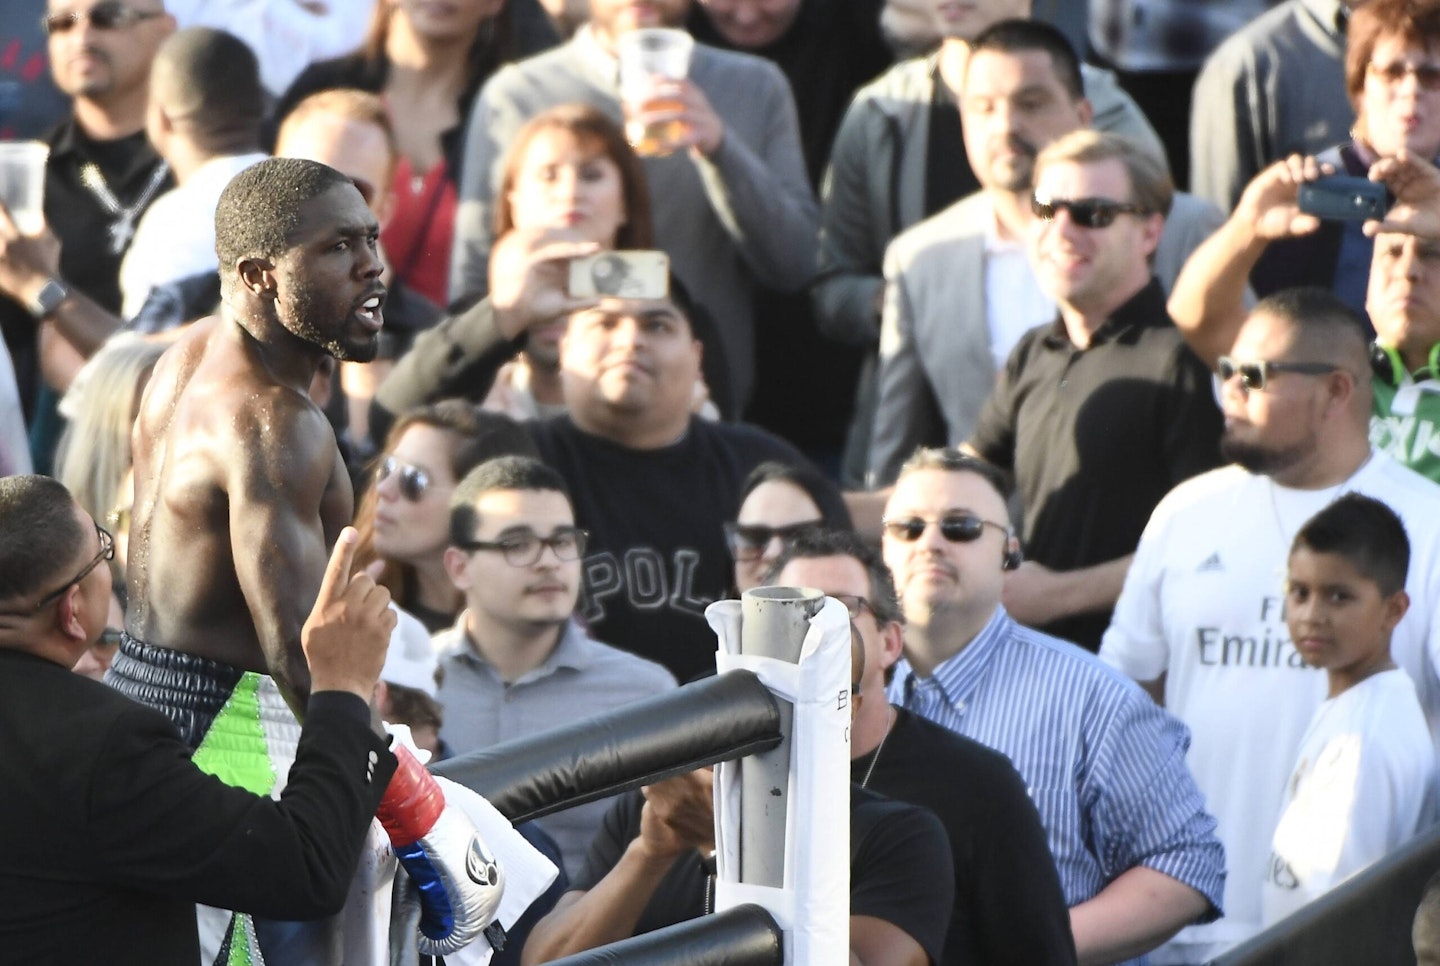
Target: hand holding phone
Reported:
[(625, 274), (1344, 198), (1415, 184)]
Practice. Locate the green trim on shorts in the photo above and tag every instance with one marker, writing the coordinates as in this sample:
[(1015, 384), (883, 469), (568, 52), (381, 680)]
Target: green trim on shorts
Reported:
[(234, 750)]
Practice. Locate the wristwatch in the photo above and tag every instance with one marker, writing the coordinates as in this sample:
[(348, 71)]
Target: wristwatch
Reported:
[(48, 299)]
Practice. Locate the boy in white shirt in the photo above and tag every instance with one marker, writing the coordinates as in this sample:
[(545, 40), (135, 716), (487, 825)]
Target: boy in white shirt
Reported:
[(1364, 779)]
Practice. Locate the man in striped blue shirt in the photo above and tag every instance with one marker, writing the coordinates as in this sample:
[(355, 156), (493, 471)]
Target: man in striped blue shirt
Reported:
[(1137, 853)]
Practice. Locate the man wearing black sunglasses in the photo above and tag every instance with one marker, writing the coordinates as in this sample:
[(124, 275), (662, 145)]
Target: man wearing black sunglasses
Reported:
[(1401, 291), (960, 290), (1100, 413), (101, 175), (1201, 620), (109, 833), (204, 109), (1133, 844), (899, 159)]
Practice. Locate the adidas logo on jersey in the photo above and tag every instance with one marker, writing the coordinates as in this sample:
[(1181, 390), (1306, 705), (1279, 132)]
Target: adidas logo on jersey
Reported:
[(1211, 564)]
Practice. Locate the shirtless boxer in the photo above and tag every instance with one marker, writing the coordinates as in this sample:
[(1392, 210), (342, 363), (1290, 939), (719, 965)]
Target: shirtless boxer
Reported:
[(239, 485), (240, 488)]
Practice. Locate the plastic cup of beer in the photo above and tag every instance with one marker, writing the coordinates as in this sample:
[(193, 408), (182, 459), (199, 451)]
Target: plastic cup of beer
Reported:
[(22, 183), (647, 56)]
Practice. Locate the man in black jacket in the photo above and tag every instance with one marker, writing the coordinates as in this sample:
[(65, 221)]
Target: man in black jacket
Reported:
[(109, 835)]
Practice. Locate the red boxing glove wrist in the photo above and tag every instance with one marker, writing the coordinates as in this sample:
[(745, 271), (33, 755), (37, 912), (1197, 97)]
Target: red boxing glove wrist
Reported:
[(413, 801)]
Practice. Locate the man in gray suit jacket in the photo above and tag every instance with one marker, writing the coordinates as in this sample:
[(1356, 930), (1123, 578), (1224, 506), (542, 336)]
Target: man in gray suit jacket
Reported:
[(960, 291), (897, 160)]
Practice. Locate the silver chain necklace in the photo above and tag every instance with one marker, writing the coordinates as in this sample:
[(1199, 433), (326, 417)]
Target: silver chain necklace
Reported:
[(889, 724), (122, 229)]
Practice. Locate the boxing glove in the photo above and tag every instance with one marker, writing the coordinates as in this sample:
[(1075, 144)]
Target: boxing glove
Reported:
[(460, 883)]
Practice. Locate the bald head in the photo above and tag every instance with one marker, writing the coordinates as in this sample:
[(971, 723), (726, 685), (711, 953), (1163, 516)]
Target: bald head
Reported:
[(207, 83)]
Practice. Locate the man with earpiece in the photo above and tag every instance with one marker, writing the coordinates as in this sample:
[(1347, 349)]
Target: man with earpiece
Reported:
[(1134, 846)]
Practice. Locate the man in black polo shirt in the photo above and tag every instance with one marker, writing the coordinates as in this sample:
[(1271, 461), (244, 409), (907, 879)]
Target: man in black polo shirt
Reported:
[(1101, 413), (101, 176), (651, 482)]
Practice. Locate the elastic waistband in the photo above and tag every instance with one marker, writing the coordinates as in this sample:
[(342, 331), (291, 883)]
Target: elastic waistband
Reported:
[(189, 689)]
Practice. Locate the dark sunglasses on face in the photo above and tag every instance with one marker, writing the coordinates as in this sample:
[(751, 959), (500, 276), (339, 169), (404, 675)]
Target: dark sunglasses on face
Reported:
[(524, 548), (1426, 75), (1255, 376), (749, 540), (413, 481), (108, 15), (1085, 212), (954, 527)]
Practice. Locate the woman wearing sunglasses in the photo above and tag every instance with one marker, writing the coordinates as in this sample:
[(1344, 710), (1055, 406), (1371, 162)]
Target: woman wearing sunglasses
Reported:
[(778, 502), (404, 517)]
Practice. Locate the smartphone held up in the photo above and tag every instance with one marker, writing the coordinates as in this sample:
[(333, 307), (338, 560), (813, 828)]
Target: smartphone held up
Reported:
[(623, 274), (1345, 198)]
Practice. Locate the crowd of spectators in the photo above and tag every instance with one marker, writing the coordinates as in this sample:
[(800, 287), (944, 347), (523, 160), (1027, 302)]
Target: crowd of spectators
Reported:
[(1014, 329)]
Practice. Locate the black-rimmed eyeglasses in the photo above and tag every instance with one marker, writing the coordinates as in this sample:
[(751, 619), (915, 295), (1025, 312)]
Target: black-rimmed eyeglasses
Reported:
[(854, 604), (107, 552), (523, 549)]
